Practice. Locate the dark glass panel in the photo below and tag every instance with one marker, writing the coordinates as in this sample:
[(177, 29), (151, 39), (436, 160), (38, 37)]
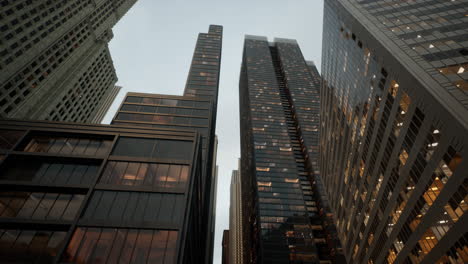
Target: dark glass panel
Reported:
[(147, 109), (127, 107), (73, 207), (119, 241), (72, 145), (171, 248), (154, 202), (103, 246), (134, 147), (184, 173), (146, 174), (161, 174), (44, 206), (127, 250), (158, 247), (119, 206), (57, 146), (29, 246), (74, 245), (87, 245), (40, 205), (59, 207), (43, 171), (167, 208), (141, 207), (81, 146), (92, 148), (92, 205), (118, 172), (102, 210), (65, 145), (173, 176), (172, 149), (130, 173), (142, 247), (8, 138), (142, 172), (133, 99), (131, 206), (148, 100), (170, 102)]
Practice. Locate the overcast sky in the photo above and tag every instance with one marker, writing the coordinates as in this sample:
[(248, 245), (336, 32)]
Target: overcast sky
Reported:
[(153, 46)]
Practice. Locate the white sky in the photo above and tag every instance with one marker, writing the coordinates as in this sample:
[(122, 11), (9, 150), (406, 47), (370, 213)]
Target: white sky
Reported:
[(153, 46)]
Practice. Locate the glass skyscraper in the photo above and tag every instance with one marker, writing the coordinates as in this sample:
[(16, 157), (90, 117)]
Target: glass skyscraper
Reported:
[(284, 208), (194, 111), (394, 126)]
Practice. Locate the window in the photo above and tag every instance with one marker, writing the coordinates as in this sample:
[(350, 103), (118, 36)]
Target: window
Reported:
[(68, 145), (133, 99), (8, 138), (48, 171), (135, 207), (40, 206), (30, 246), (115, 245), (168, 176), (153, 148)]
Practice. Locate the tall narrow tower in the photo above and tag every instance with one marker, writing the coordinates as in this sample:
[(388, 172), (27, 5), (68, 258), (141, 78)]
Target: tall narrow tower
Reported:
[(195, 110), (54, 58), (285, 212)]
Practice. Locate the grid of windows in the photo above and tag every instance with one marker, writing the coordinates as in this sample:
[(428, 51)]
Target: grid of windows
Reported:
[(283, 217), (77, 201), (391, 160), (47, 45)]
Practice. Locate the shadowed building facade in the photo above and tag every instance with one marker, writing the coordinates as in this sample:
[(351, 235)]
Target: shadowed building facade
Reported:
[(54, 58), (235, 219), (394, 120), (284, 210), (194, 111), (99, 193)]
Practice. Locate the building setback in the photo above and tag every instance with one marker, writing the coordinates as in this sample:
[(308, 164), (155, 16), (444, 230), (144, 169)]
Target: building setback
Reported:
[(235, 219), (99, 193), (393, 131), (54, 58), (285, 213), (195, 110), (106, 104)]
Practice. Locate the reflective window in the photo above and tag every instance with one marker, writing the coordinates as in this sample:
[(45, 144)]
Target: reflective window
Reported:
[(135, 207), (68, 145), (146, 174), (8, 138), (115, 245), (29, 246), (40, 206), (48, 171), (153, 148)]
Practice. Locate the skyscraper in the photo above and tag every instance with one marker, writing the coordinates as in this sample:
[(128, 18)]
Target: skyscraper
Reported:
[(195, 110), (54, 58), (285, 212), (226, 247), (235, 219), (394, 121), (99, 194)]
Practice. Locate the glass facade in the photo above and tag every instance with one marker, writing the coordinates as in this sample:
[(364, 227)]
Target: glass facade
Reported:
[(99, 194), (194, 111), (284, 217), (394, 130)]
